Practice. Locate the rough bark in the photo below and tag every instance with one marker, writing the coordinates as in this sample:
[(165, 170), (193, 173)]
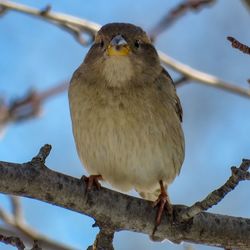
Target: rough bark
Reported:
[(119, 211)]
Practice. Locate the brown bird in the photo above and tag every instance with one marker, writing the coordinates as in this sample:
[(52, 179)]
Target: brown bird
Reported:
[(126, 116)]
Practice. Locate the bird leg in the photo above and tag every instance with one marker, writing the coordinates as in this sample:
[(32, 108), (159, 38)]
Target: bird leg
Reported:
[(92, 180), (164, 203)]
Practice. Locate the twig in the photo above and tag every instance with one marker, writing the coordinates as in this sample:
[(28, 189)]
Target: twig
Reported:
[(42, 155), (45, 10), (181, 81), (247, 3), (14, 241), (104, 239), (175, 14), (28, 106), (21, 228), (36, 246), (16, 208), (92, 28), (202, 77), (67, 22), (238, 45), (238, 174)]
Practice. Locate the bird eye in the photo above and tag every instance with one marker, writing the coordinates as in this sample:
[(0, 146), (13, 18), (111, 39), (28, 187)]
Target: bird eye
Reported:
[(101, 44), (137, 43)]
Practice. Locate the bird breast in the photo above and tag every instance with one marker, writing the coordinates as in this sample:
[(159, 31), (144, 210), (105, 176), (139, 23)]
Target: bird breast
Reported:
[(130, 136), (117, 71)]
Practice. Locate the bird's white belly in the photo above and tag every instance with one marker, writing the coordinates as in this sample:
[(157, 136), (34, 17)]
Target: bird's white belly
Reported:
[(131, 146)]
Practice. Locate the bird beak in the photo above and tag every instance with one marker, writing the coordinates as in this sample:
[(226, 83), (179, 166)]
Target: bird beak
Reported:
[(118, 47)]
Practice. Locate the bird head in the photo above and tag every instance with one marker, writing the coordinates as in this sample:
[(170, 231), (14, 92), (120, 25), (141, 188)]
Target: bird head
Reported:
[(123, 54)]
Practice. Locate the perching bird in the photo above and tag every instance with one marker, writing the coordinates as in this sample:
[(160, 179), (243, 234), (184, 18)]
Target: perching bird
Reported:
[(126, 116)]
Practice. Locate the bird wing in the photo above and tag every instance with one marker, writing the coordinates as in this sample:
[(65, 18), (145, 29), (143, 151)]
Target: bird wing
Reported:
[(171, 88)]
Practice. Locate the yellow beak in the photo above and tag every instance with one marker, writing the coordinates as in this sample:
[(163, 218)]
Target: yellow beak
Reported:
[(120, 51), (118, 47)]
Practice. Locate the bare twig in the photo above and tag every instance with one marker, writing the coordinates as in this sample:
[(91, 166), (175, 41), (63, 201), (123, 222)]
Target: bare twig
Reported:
[(202, 77), (175, 14), (16, 209), (238, 45), (247, 3), (92, 28), (36, 246), (238, 174), (104, 239), (69, 23), (42, 155), (14, 241), (21, 228), (181, 81), (45, 10), (28, 106), (35, 180)]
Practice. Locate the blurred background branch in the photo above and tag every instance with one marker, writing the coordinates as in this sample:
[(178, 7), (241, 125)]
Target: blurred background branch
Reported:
[(247, 3), (69, 23), (27, 107), (175, 14), (12, 240), (238, 45), (83, 31), (91, 28), (18, 227)]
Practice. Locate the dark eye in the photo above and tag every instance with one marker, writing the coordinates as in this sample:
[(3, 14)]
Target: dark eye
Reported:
[(137, 43), (101, 44)]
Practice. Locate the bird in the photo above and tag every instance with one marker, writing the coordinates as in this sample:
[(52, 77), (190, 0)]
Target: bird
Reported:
[(126, 116)]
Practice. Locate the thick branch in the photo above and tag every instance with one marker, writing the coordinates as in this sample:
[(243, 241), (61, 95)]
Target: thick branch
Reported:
[(34, 180), (91, 28)]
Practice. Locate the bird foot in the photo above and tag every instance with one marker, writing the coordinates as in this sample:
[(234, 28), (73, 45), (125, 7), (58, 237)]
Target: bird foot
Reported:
[(163, 203), (92, 180)]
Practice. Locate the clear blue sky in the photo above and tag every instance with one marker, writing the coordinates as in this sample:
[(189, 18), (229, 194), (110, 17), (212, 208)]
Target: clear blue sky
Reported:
[(35, 54)]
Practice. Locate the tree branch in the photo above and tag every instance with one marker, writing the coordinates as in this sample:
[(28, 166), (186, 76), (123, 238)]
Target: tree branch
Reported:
[(14, 241), (175, 14), (44, 242), (16, 209), (202, 77), (27, 107), (91, 28), (34, 180), (69, 23), (104, 239), (238, 45), (238, 174), (22, 230)]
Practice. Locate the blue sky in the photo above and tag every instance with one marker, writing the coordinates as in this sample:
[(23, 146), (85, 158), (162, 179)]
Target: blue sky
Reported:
[(35, 54)]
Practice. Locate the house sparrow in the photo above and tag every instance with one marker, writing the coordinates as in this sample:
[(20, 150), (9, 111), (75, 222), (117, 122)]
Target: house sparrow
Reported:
[(126, 116)]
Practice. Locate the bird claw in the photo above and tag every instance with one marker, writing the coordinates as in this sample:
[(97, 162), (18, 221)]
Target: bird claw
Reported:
[(92, 180), (164, 204)]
